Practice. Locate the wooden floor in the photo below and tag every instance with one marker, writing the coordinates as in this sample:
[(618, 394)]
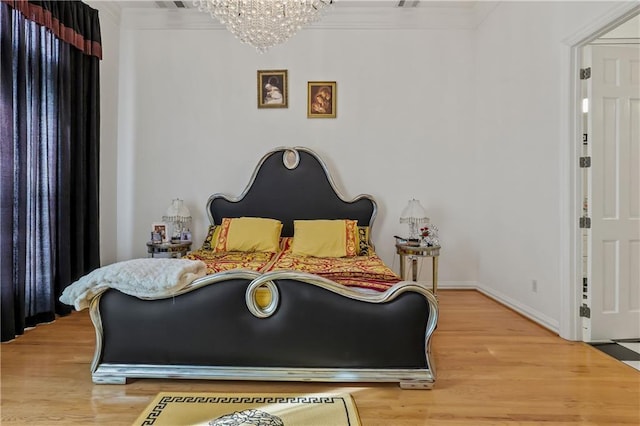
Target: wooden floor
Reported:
[(494, 367)]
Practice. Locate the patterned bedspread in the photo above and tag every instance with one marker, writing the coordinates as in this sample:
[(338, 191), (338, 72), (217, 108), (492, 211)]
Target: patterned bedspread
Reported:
[(226, 261), (367, 271), (357, 271)]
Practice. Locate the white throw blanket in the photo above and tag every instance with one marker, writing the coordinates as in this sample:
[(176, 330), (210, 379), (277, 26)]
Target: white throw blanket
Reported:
[(145, 278)]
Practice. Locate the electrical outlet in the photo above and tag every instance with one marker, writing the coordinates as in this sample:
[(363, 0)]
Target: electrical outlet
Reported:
[(534, 286)]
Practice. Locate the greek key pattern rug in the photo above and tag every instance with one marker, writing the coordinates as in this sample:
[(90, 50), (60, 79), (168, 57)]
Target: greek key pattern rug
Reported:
[(218, 409)]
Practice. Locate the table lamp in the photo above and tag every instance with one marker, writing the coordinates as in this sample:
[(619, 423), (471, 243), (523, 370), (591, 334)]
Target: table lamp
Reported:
[(414, 214), (179, 216)]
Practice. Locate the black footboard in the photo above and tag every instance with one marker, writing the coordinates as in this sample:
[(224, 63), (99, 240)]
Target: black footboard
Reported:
[(316, 326)]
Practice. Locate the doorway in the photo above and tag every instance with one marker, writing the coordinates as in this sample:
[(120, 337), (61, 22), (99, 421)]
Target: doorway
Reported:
[(608, 182)]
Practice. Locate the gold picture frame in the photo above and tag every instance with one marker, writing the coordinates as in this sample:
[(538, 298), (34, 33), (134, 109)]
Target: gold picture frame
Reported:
[(273, 90), (321, 99)]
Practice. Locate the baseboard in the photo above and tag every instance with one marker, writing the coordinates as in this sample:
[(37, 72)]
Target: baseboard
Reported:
[(524, 310), (457, 285)]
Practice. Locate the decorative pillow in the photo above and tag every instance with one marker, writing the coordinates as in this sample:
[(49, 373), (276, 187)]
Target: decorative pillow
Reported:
[(325, 238), (363, 241), (211, 238), (249, 234)]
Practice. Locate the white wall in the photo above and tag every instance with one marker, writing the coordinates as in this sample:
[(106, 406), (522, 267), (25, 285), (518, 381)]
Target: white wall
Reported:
[(190, 125), (109, 70), (522, 117), (471, 121)]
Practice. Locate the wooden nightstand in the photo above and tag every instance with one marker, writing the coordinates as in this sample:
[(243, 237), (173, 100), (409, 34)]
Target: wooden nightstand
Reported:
[(415, 251), (168, 250)]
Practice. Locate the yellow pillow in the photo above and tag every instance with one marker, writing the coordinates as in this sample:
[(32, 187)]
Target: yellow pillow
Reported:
[(325, 238), (249, 234)]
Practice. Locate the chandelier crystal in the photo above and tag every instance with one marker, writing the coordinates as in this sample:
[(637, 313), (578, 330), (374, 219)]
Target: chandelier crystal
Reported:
[(264, 23)]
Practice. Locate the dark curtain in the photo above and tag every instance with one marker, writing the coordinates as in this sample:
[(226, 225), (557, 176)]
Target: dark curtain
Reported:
[(49, 58)]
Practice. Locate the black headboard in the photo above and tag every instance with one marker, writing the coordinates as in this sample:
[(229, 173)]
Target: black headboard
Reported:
[(288, 184)]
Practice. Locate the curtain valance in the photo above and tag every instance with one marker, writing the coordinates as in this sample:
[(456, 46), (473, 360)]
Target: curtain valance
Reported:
[(71, 21)]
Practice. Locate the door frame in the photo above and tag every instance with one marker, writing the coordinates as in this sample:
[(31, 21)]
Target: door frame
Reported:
[(572, 190)]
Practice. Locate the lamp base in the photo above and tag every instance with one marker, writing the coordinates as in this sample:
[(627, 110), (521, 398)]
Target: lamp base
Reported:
[(413, 231)]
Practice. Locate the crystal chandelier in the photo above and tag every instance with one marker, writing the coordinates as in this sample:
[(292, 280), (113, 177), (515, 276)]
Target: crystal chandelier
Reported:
[(264, 23)]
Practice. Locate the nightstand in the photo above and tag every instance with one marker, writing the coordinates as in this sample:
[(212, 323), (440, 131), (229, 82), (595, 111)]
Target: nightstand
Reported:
[(413, 252), (168, 250)]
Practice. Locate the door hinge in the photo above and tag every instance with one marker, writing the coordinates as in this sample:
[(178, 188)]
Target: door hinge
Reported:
[(585, 73), (585, 284), (585, 311), (585, 162), (585, 222), (585, 138)]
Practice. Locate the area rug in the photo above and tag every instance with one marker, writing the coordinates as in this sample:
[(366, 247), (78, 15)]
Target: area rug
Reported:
[(225, 409)]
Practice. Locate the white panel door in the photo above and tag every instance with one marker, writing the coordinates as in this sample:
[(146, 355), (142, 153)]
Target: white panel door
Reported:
[(615, 189)]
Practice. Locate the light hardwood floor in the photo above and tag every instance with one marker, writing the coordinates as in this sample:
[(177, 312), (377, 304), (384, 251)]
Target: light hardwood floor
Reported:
[(494, 367)]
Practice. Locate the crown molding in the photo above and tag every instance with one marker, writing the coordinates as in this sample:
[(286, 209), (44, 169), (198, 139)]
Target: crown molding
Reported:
[(482, 10), (370, 17), (109, 9), (376, 17), (618, 14)]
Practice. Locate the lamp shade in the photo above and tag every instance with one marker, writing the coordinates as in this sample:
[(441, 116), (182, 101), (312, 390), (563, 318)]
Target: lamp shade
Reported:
[(177, 211), (414, 213)]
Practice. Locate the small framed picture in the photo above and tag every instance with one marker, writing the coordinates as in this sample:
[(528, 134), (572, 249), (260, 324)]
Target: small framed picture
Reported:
[(156, 237), (160, 228), (321, 99), (186, 236), (273, 90)]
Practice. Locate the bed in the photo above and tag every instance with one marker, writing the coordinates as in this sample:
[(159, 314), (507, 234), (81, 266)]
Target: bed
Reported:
[(281, 316)]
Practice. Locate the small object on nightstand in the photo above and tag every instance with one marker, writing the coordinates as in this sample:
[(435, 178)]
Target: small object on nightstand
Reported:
[(169, 249), (156, 237), (400, 240)]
